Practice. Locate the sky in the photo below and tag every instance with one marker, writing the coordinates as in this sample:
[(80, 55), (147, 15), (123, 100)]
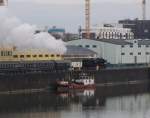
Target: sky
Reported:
[(69, 14), (75, 1)]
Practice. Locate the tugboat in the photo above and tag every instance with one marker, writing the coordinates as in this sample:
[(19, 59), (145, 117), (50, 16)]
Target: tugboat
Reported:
[(84, 81)]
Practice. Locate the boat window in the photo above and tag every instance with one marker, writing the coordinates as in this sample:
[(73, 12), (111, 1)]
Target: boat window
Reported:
[(46, 55), (15, 56), (40, 55), (58, 55), (28, 56), (52, 55), (21, 56), (34, 55)]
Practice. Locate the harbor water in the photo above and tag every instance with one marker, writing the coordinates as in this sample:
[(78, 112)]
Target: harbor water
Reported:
[(120, 101)]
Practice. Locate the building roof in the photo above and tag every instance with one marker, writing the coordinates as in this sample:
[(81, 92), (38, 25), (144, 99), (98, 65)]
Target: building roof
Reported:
[(123, 42), (56, 30), (115, 41), (111, 41), (75, 50)]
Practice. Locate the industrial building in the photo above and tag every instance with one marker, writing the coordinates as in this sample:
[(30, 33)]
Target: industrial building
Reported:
[(118, 51), (79, 53), (76, 54), (58, 33), (140, 28)]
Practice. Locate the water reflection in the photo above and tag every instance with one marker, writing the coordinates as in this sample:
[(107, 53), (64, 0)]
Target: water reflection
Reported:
[(130, 101)]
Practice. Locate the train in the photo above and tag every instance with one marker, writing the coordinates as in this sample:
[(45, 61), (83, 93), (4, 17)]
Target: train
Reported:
[(94, 64)]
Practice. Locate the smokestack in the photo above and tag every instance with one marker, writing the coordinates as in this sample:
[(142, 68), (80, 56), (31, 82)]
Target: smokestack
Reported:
[(144, 9)]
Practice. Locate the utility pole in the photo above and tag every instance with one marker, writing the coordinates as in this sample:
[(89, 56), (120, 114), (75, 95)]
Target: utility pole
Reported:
[(87, 18)]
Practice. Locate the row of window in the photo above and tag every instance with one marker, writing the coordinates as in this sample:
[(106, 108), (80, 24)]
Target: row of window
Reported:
[(115, 30), (88, 46), (139, 53), (25, 65), (131, 46), (6, 53), (115, 35), (29, 56)]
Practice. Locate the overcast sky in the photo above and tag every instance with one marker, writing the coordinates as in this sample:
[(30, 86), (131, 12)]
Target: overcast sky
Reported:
[(70, 13), (76, 1)]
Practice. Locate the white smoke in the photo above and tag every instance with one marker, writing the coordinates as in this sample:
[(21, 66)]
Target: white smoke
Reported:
[(22, 35)]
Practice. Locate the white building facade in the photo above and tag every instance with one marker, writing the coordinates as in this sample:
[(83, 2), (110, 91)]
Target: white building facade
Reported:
[(118, 51), (113, 33)]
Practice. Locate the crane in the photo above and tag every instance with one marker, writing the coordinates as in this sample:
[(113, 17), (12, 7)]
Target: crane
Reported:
[(144, 9), (87, 18)]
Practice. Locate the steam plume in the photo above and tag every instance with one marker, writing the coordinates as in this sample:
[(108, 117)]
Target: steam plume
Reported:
[(22, 35)]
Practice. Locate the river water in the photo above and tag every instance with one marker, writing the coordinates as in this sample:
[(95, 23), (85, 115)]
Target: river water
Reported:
[(128, 101)]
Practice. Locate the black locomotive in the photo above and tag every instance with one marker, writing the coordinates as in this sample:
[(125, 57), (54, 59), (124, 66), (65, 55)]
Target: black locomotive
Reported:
[(93, 64)]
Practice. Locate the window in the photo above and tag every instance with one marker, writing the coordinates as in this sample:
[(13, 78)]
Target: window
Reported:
[(87, 46), (46, 55), (94, 46), (139, 46), (9, 53), (80, 45), (139, 53), (6, 53), (21, 56), (34, 56), (40, 55), (131, 53), (147, 46), (58, 55), (147, 53), (28, 56), (2, 54), (52, 55), (122, 53), (122, 46), (131, 46), (15, 56)]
